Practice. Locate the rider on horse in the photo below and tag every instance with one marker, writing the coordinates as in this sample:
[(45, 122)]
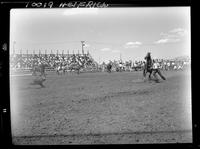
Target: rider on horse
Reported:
[(148, 65), (152, 66), (109, 66), (39, 79), (42, 66)]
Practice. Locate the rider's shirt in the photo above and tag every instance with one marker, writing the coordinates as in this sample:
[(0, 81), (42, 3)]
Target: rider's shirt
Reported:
[(155, 65)]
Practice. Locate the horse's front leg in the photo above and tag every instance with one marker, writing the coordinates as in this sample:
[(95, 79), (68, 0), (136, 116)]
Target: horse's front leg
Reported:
[(150, 75)]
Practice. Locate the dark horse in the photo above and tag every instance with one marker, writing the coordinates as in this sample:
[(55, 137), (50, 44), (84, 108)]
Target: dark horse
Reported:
[(147, 66), (147, 69), (151, 67)]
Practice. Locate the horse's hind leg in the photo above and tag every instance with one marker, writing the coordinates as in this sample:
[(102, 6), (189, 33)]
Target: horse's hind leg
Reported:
[(144, 74), (41, 84)]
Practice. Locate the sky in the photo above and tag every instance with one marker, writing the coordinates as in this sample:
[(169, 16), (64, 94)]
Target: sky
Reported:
[(109, 33)]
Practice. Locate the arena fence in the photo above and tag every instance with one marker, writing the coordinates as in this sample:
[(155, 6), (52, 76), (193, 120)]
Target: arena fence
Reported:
[(49, 69), (92, 69), (29, 69)]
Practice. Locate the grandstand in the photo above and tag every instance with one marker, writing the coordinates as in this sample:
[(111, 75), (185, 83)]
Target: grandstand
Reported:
[(26, 61)]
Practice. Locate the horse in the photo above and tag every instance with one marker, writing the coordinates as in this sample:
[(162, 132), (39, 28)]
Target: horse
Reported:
[(147, 69)]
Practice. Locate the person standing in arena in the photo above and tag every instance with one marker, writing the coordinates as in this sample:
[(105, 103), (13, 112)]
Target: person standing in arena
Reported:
[(109, 66), (156, 70)]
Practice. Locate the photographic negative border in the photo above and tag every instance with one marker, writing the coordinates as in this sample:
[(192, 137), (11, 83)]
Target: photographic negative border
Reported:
[(5, 8)]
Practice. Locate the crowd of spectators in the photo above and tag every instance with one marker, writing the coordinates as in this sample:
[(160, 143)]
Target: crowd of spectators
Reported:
[(27, 61), (164, 64)]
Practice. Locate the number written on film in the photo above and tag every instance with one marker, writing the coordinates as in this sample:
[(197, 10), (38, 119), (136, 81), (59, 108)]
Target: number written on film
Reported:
[(39, 5)]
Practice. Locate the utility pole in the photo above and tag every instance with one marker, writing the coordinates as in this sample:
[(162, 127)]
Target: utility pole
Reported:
[(26, 53), (45, 53), (21, 52), (83, 44), (62, 53)]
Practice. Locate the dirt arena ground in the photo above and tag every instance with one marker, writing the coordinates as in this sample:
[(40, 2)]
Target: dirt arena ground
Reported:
[(101, 108)]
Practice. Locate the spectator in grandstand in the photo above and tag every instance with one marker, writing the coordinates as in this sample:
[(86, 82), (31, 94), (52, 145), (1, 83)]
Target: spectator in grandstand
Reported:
[(120, 66)]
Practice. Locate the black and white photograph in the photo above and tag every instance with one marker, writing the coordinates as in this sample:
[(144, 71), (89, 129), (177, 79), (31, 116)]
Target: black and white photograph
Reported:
[(100, 75)]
